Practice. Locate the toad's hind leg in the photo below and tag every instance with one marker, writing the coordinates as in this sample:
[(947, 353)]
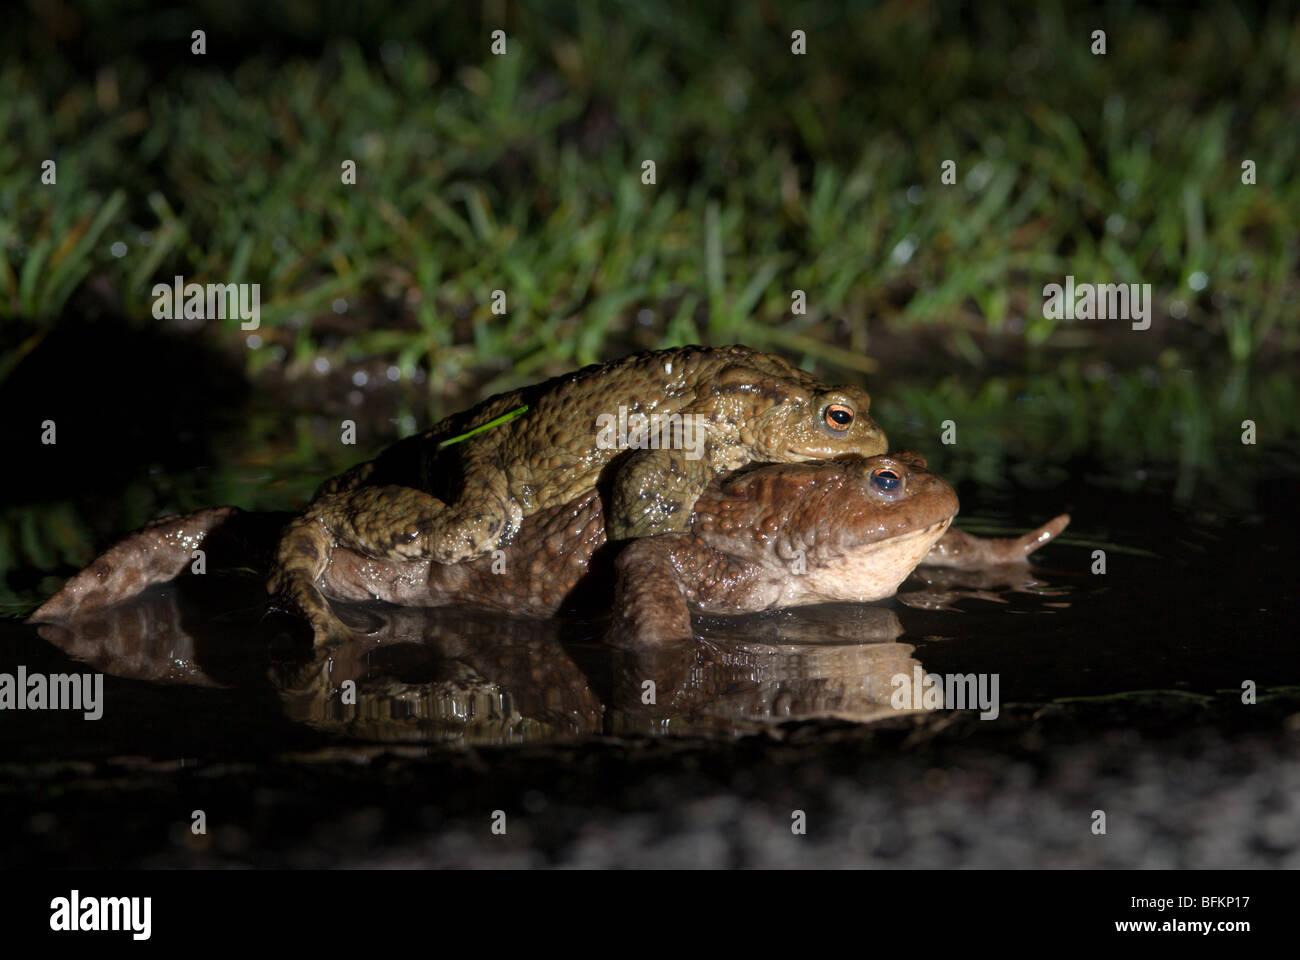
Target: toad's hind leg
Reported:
[(402, 523), (301, 558), (157, 553), (386, 522)]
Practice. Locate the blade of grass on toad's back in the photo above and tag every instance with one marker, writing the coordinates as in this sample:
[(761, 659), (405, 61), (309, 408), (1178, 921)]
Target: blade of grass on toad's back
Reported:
[(505, 417)]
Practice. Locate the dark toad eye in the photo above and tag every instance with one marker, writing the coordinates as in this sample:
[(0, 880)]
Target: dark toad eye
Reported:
[(839, 416), (886, 480)]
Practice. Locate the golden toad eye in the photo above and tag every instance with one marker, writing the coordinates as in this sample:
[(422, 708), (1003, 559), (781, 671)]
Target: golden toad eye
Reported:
[(839, 416)]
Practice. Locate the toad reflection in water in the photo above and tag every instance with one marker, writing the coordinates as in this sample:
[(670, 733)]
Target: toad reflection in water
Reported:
[(470, 677)]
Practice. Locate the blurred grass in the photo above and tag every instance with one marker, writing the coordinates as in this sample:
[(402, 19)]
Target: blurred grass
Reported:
[(775, 173)]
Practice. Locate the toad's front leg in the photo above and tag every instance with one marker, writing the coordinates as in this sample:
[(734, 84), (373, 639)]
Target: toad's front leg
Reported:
[(654, 492), (957, 548), (661, 579)]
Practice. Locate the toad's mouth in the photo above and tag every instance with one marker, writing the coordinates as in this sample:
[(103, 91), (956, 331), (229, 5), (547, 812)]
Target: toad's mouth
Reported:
[(871, 571)]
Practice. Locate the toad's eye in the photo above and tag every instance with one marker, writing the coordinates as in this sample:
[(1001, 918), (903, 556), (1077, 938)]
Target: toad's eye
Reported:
[(885, 480), (839, 416)]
